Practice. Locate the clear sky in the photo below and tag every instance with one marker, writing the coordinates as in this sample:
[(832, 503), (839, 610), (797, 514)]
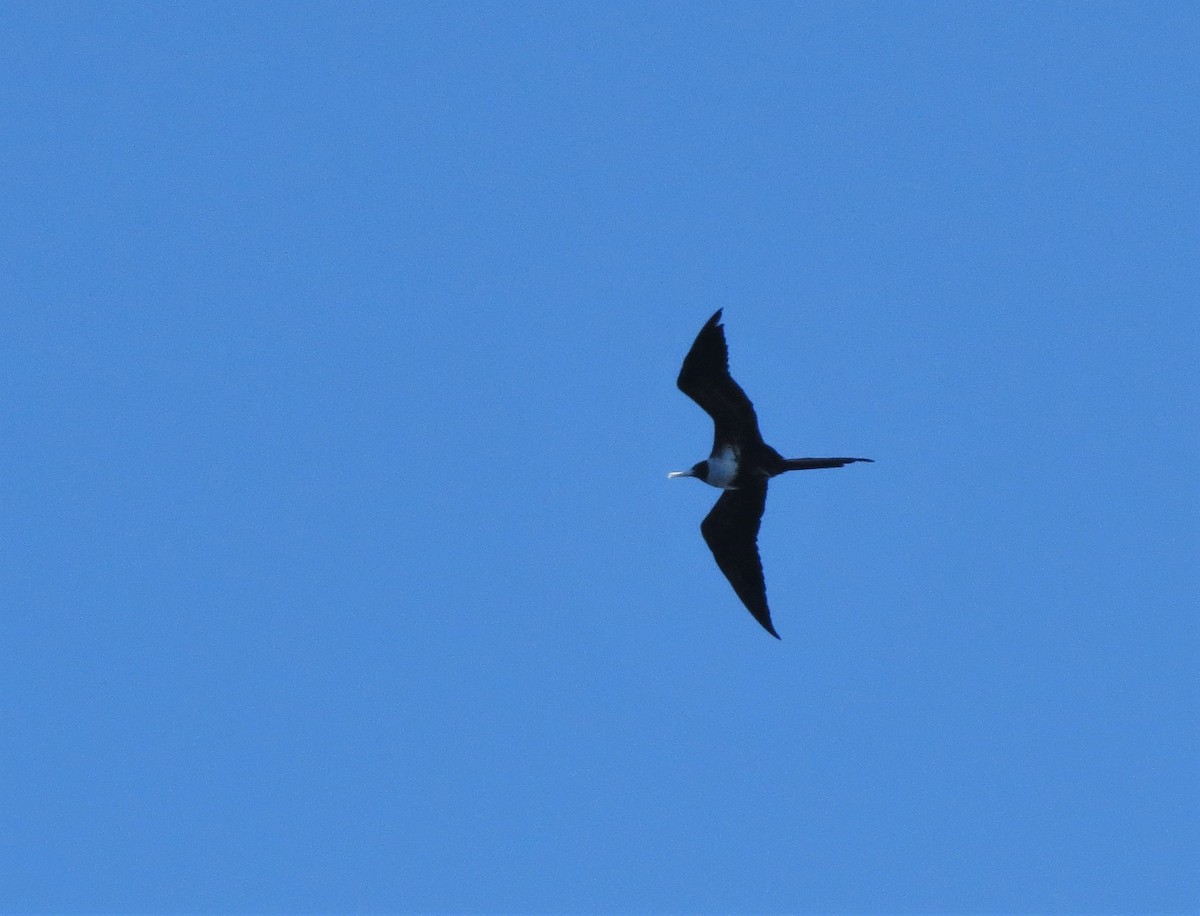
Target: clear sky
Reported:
[(339, 567)]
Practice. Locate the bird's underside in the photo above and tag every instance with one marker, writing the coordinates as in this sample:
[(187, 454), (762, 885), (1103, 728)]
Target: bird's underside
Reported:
[(740, 464)]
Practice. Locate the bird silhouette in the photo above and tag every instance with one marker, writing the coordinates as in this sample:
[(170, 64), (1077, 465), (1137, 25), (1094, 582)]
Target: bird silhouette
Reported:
[(740, 464)]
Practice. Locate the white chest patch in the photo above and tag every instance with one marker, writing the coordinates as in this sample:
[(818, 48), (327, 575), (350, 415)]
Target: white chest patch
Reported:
[(722, 468)]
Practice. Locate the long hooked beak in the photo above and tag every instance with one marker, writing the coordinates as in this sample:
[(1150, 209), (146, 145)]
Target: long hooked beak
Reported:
[(680, 474)]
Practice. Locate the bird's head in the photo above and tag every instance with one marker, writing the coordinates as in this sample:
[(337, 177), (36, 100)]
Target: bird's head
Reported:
[(699, 469)]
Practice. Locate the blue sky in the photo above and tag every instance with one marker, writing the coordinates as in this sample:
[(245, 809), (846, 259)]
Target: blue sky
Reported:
[(340, 568)]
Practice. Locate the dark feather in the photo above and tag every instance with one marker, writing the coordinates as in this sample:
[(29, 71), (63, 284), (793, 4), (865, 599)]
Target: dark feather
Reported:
[(731, 532), (706, 380)]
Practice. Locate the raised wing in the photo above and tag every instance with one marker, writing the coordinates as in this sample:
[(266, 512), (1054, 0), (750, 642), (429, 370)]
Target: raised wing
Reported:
[(706, 380), (731, 532)]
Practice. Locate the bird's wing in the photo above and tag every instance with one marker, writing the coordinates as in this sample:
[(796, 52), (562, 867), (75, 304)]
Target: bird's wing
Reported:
[(706, 380), (731, 532)]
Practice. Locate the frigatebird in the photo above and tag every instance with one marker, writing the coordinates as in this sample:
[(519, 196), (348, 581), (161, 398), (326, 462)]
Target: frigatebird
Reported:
[(740, 464)]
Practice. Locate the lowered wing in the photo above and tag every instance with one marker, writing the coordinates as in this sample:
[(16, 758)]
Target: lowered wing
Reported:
[(731, 532)]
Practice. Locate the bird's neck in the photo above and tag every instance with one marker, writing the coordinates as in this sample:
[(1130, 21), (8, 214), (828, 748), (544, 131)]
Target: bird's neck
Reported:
[(722, 468)]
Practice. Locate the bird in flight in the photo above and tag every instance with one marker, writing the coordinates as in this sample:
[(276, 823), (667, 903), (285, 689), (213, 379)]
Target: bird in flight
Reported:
[(740, 464)]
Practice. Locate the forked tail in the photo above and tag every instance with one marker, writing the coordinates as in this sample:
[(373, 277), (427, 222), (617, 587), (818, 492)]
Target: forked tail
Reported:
[(808, 464)]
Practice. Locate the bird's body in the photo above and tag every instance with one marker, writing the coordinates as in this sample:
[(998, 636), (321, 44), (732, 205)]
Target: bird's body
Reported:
[(740, 464)]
